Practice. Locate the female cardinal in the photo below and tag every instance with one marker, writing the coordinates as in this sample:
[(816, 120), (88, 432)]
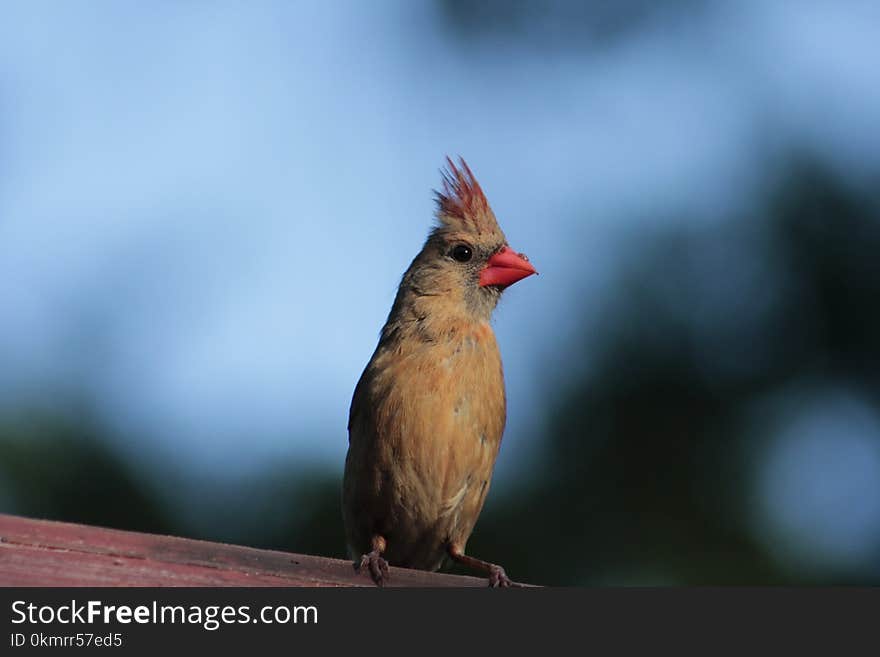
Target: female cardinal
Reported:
[(428, 412)]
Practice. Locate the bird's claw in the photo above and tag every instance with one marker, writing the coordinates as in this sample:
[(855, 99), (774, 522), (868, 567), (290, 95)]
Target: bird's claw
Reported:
[(498, 578), (376, 566)]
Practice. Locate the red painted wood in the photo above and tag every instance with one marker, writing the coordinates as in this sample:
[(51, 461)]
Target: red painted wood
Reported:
[(47, 553)]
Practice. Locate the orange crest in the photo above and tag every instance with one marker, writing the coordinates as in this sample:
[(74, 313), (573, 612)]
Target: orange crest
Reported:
[(462, 205)]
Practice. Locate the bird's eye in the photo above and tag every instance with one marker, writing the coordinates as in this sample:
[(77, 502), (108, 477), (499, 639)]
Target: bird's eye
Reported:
[(462, 252)]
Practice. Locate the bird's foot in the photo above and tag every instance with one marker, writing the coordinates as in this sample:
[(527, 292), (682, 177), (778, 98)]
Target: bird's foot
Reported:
[(376, 566), (498, 578)]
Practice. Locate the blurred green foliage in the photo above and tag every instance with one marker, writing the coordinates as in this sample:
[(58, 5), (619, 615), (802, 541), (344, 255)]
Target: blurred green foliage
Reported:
[(62, 468), (554, 24)]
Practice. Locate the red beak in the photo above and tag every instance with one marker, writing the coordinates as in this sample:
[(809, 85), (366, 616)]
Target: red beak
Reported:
[(506, 268)]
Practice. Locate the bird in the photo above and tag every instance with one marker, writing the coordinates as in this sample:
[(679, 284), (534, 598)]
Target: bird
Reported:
[(429, 410)]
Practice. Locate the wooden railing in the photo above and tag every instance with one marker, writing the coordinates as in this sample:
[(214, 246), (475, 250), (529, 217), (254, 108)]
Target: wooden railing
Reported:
[(46, 553)]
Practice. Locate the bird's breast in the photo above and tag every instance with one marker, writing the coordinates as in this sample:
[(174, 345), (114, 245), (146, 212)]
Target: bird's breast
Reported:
[(445, 391), (439, 415)]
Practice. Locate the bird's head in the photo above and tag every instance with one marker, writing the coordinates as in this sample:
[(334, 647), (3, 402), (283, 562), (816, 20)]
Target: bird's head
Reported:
[(466, 259)]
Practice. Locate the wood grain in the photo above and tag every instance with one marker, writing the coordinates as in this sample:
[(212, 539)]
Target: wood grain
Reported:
[(48, 553)]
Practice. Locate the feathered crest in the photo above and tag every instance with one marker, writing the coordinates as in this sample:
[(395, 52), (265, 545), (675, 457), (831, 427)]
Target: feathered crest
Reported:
[(461, 204)]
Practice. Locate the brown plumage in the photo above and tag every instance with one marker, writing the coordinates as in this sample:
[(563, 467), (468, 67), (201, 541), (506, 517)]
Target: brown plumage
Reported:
[(428, 412)]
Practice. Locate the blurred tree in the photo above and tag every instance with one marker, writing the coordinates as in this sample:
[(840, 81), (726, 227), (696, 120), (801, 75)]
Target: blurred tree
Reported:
[(646, 473), (558, 24), (61, 469), (288, 507)]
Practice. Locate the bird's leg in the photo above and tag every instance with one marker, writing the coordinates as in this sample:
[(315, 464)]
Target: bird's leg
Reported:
[(497, 576), (373, 561)]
